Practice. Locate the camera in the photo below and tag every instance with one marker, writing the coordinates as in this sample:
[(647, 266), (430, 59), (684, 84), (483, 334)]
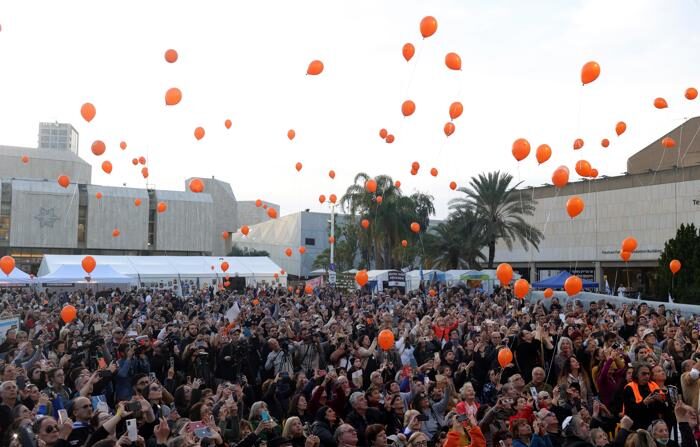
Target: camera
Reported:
[(615, 346)]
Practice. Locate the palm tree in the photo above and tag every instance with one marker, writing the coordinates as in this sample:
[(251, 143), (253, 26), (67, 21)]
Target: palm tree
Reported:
[(389, 221), (456, 243), (501, 210)]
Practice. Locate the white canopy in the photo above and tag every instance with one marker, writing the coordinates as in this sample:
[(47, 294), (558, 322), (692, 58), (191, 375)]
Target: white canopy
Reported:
[(150, 269), (16, 276), (74, 274)]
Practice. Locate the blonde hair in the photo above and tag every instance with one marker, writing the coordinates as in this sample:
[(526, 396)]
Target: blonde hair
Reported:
[(288, 426), (410, 414)]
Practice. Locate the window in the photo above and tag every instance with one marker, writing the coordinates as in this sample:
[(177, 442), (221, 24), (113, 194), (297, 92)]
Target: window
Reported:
[(309, 241), (5, 211), (82, 215)]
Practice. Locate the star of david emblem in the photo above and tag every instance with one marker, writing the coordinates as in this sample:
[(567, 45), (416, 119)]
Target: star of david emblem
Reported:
[(46, 217)]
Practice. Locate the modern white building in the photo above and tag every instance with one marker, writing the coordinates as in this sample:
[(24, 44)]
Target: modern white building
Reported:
[(58, 137)]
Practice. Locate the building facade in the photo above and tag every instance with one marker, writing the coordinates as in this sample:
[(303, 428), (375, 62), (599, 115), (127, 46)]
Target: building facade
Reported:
[(58, 137)]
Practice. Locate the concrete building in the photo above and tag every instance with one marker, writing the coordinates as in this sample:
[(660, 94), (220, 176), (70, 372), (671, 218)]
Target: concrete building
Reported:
[(58, 137), (38, 216)]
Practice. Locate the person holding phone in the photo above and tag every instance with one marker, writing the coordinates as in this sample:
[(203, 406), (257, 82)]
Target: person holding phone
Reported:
[(460, 427)]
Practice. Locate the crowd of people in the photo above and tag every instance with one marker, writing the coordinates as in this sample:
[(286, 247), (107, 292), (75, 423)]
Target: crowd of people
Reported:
[(273, 368)]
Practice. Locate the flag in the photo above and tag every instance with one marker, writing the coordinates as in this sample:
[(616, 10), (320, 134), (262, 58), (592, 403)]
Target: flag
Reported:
[(607, 287), (232, 313), (670, 299)]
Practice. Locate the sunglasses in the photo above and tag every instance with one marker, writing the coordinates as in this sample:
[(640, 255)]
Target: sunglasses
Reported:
[(51, 429)]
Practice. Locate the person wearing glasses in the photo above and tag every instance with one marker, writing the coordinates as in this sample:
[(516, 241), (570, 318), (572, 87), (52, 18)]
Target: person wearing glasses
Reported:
[(53, 434), (418, 439), (549, 429), (346, 436), (81, 409)]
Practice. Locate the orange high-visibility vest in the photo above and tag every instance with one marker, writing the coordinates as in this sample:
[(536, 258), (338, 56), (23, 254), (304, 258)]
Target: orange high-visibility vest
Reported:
[(637, 395)]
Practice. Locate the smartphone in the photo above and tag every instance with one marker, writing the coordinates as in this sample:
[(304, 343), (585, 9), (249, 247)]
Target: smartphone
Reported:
[(132, 406), (152, 376), (533, 393), (172, 362), (131, 429), (462, 417), (104, 373), (673, 394), (200, 429), (436, 357), (265, 416), (62, 416), (97, 327), (21, 382), (246, 331), (331, 369)]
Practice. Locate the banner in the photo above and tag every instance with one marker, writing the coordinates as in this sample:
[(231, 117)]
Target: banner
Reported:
[(397, 279), (6, 324)]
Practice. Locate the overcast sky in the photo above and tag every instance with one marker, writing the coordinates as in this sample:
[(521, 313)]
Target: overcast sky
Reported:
[(246, 61)]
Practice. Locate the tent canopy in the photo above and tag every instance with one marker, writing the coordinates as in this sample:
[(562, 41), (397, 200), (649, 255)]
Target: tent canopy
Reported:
[(16, 276), (103, 274), (557, 282)]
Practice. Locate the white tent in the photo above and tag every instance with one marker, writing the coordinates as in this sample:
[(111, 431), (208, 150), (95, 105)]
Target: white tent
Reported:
[(74, 274), (16, 277), (452, 277), (413, 278), (168, 271)]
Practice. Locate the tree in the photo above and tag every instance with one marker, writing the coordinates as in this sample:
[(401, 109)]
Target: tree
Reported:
[(456, 243), (501, 211), (389, 220), (246, 251), (346, 249), (684, 286)]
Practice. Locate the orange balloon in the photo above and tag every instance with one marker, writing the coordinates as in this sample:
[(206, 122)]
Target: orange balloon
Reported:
[(505, 357), (7, 264), (408, 51), (383, 133), (620, 128), (315, 68), (521, 149), (361, 277), (68, 313), (171, 56), (560, 177), (331, 174), (434, 172), (308, 289), (504, 273), (583, 168), (397, 184), (404, 243), (302, 250), (408, 107), (590, 72), (573, 285), (660, 103), (107, 166), (272, 213), (456, 110), (291, 134), (227, 124), (415, 166), (385, 340), (144, 172), (258, 203), (122, 145), (453, 185), (137, 202), (605, 142), (332, 198), (288, 252), (162, 207), (594, 173), (173, 96), (414, 172), (224, 266), (668, 143), (64, 181), (625, 255), (428, 26), (199, 133), (415, 227), (675, 266), (371, 186), (548, 293), (88, 263), (196, 185), (142, 160), (364, 223), (227, 283), (331, 240), (88, 111), (389, 138), (135, 161), (629, 244), (98, 195), (245, 230), (449, 129), (25, 159), (98, 147), (574, 206), (691, 93), (578, 144), (224, 235), (322, 198), (544, 152), (116, 232), (379, 200), (298, 166), (453, 61), (521, 288)]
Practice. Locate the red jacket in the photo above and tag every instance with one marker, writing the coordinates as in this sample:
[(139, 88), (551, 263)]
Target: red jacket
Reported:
[(455, 439)]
